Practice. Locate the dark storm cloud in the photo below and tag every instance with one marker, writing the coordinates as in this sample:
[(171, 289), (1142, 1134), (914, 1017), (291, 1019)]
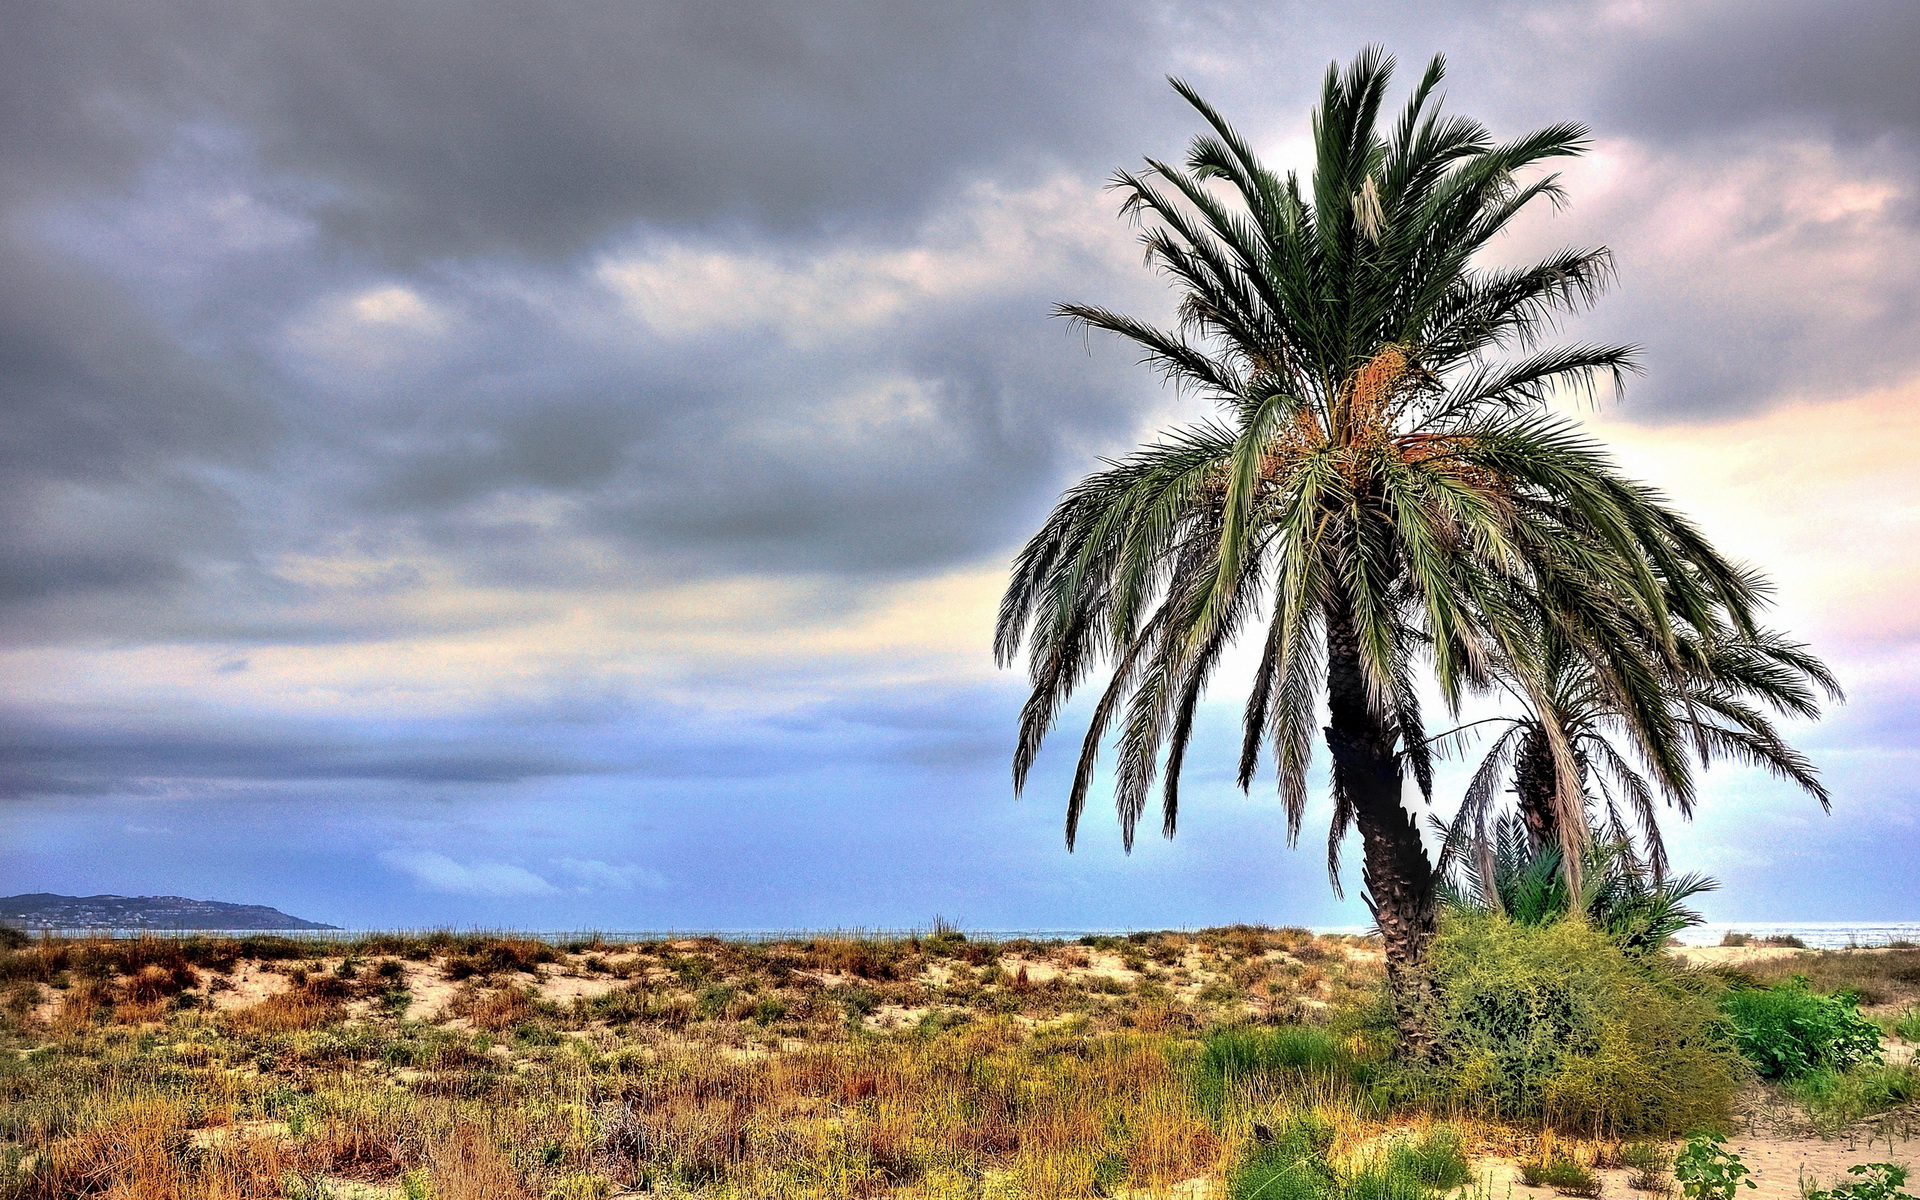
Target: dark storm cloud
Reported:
[(1843, 70), (105, 421), (81, 753), (145, 331), (451, 128), (192, 185), (287, 280)]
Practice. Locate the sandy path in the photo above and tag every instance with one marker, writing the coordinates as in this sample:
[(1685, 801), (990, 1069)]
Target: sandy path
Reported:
[(1779, 1164)]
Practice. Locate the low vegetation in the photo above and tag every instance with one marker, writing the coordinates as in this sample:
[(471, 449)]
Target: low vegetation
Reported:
[(1792, 1032), (1558, 1023), (492, 1068)]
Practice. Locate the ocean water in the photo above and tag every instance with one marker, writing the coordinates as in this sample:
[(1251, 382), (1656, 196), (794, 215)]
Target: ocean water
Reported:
[(1823, 935)]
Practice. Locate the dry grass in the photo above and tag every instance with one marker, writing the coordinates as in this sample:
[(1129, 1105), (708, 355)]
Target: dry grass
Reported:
[(1883, 979), (826, 1066), (816, 1067)]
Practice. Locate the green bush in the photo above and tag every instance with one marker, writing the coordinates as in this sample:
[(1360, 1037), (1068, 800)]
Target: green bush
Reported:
[(1438, 1160), (1558, 1023), (1788, 1032)]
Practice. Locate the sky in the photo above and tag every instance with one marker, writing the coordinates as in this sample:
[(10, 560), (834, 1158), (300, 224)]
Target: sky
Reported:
[(554, 467)]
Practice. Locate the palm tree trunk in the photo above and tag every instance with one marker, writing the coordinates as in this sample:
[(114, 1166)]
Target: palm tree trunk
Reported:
[(1533, 788), (1396, 872)]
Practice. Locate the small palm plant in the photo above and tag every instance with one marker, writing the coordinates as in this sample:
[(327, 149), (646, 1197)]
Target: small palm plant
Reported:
[(1382, 492), (1508, 872)]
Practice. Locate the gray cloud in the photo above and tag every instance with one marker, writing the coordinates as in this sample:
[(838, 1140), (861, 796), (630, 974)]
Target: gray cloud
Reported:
[(136, 754), (612, 294), (73, 751), (432, 128), (1708, 68)]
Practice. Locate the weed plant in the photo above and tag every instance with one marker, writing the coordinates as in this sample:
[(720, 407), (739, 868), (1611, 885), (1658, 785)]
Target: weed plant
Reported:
[(1906, 1026), (1564, 1175), (1837, 1099), (1295, 1160)]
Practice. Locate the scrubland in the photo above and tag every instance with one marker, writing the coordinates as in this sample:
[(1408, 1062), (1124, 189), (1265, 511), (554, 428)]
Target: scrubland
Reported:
[(1239, 1061)]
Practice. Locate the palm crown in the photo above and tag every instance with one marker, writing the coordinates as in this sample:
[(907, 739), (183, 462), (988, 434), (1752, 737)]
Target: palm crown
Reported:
[(1729, 688), (1382, 489)]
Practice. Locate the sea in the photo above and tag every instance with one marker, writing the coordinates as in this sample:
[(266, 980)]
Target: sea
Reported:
[(1819, 935)]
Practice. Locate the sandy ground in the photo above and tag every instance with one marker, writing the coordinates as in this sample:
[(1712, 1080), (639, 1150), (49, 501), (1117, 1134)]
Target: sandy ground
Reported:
[(248, 985), (1732, 956), (1780, 1166)]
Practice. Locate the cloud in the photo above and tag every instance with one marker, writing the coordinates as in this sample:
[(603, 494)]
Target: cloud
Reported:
[(646, 400), (423, 135), (1696, 71), (94, 753), (436, 872), (1762, 270), (591, 874)]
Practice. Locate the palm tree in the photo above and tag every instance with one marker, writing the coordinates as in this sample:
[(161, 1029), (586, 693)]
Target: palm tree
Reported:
[(1382, 489), (1513, 874), (1718, 704)]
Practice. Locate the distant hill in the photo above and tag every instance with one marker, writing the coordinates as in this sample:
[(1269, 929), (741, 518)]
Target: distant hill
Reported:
[(44, 910)]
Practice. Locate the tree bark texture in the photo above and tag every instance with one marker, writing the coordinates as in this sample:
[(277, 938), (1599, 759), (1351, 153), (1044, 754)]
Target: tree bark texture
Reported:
[(1396, 873), (1533, 788)]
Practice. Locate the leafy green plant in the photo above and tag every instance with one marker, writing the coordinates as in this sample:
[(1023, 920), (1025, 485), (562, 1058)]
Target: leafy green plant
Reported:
[(1707, 1170), (1788, 1032), (1871, 1181)]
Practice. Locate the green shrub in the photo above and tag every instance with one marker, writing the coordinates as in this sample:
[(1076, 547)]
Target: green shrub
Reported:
[(711, 1004), (1438, 1160), (1906, 1026), (1871, 1181), (1558, 1023), (771, 1009), (1789, 1031)]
